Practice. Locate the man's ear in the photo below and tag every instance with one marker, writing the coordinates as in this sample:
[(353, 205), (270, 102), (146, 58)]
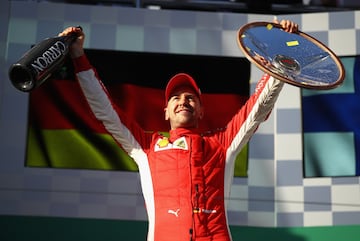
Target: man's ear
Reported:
[(201, 112), (166, 113)]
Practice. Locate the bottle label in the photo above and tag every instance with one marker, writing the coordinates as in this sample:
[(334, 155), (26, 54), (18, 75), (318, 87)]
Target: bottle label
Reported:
[(42, 62)]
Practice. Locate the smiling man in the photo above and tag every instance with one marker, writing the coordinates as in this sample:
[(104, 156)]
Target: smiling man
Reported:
[(184, 107), (186, 177)]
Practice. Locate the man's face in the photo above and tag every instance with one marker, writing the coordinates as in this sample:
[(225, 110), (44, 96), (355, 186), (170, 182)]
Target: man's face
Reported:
[(184, 108)]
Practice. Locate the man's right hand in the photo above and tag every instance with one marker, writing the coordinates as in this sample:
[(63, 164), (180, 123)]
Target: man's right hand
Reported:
[(77, 48)]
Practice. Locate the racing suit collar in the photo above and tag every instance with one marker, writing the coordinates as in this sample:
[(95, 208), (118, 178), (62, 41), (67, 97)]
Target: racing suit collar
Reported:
[(179, 132)]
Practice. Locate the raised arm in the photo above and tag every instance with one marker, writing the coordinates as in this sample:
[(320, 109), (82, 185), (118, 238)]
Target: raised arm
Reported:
[(256, 110), (126, 132)]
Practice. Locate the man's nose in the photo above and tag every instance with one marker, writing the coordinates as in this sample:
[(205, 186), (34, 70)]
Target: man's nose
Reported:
[(183, 99)]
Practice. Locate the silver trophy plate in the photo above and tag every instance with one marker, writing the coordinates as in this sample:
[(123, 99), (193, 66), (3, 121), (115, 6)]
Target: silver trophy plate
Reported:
[(295, 58)]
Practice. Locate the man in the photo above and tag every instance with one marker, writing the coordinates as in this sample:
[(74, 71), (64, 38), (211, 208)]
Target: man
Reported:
[(185, 177)]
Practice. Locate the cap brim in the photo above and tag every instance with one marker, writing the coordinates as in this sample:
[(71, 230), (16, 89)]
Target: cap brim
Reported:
[(178, 80)]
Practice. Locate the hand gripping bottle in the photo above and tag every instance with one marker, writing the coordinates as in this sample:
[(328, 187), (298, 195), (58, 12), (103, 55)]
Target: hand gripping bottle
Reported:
[(40, 62)]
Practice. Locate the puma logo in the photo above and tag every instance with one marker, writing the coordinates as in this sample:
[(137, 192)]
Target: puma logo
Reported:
[(176, 213)]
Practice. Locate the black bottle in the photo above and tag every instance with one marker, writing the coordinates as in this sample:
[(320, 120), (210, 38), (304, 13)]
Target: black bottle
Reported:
[(40, 62)]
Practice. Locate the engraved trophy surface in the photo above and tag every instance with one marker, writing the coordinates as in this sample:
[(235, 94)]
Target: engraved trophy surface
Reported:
[(295, 58)]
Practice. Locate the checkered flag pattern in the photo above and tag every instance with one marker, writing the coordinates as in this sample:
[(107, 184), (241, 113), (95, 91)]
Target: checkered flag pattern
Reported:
[(275, 192)]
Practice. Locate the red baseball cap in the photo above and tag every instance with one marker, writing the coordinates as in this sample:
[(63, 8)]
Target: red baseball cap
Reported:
[(181, 79)]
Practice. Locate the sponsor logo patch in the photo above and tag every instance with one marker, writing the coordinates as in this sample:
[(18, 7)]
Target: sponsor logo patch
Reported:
[(163, 143)]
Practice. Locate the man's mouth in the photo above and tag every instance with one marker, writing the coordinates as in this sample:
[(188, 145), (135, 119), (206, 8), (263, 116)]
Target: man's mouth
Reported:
[(185, 110)]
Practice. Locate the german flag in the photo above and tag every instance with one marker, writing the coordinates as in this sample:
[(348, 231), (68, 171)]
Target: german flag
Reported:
[(63, 132)]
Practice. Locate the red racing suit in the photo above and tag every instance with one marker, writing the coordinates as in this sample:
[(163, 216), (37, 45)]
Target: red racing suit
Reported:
[(185, 178)]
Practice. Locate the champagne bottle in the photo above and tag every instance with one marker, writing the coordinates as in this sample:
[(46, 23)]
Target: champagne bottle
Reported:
[(40, 62)]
